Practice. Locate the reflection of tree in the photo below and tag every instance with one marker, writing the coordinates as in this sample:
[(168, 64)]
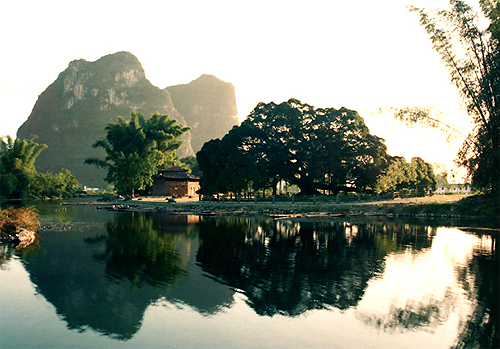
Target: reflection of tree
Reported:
[(392, 237), (137, 250), (413, 316), (482, 329), (85, 291), (476, 289), (289, 268), (6, 253), (55, 213)]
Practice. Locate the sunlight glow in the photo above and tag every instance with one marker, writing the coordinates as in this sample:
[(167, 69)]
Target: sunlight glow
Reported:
[(361, 55), (423, 285)]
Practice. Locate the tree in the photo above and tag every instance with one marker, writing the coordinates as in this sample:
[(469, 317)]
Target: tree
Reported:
[(17, 165), (472, 56), (224, 165), (137, 150), (400, 174), (442, 179), (60, 185), (191, 164), (313, 148)]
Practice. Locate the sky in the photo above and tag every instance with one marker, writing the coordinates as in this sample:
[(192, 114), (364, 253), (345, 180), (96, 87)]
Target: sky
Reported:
[(361, 54)]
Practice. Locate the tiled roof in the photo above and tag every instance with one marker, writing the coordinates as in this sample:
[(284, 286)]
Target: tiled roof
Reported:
[(177, 173)]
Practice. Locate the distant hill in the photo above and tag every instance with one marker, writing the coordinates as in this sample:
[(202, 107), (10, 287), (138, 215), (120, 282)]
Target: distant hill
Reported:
[(208, 105), (71, 114)]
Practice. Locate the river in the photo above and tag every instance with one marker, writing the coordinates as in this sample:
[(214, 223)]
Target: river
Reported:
[(103, 279)]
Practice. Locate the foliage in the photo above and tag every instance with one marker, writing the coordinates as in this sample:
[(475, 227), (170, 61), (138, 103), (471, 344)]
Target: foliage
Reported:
[(472, 57), (442, 179), (17, 166), (14, 218), (61, 185), (216, 160), (137, 150), (400, 174), (313, 148), (479, 205), (18, 176), (191, 164)]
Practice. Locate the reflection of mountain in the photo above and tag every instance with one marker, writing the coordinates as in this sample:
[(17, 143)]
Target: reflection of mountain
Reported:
[(99, 293), (282, 267), (104, 276), (289, 268)]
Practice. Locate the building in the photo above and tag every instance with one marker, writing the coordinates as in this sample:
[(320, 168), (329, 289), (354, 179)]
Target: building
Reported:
[(175, 181), (453, 189)]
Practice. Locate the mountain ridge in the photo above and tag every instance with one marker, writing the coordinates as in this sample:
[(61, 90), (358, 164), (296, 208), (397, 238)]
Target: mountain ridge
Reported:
[(72, 112)]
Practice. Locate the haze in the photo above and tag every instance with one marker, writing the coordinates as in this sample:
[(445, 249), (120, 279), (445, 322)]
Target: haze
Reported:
[(361, 55)]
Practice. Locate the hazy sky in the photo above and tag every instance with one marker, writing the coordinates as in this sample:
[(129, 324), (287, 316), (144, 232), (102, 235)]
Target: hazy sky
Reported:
[(358, 54)]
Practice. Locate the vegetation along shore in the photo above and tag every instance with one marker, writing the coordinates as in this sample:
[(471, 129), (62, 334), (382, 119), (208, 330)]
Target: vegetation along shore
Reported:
[(437, 206), (19, 226)]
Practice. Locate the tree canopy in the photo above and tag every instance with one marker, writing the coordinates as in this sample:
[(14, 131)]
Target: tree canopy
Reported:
[(19, 178), (62, 184), (472, 56), (190, 164), (137, 150), (17, 165), (400, 174), (313, 148)]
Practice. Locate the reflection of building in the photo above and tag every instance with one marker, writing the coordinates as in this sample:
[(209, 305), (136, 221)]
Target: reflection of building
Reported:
[(453, 189), (175, 181), (175, 224)]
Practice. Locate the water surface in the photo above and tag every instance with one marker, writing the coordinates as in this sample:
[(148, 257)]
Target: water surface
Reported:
[(120, 279)]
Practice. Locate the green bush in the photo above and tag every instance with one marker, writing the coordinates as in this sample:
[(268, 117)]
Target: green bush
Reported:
[(60, 185)]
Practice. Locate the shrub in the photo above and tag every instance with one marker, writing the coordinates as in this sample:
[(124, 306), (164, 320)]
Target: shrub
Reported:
[(11, 219)]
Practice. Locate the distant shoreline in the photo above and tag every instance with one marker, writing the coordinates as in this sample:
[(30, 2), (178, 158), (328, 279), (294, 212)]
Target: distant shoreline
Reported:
[(431, 207)]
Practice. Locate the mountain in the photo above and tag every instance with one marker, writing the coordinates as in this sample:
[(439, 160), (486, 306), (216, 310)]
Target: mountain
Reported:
[(208, 105), (71, 114)]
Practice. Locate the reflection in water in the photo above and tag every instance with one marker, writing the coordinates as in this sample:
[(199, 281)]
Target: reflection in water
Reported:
[(137, 250), (288, 268), (6, 253), (423, 290), (482, 328), (99, 277), (396, 278), (104, 277)]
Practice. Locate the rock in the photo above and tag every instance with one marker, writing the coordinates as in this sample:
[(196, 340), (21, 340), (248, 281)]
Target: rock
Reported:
[(26, 238), (208, 105), (20, 239), (72, 113)]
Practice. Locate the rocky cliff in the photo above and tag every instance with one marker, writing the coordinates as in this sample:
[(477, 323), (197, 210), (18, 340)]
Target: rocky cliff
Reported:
[(208, 105), (71, 114)]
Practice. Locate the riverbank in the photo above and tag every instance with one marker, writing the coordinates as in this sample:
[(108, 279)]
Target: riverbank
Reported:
[(18, 226), (437, 206)]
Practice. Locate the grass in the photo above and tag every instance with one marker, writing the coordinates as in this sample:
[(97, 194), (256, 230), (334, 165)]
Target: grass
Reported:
[(487, 205)]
